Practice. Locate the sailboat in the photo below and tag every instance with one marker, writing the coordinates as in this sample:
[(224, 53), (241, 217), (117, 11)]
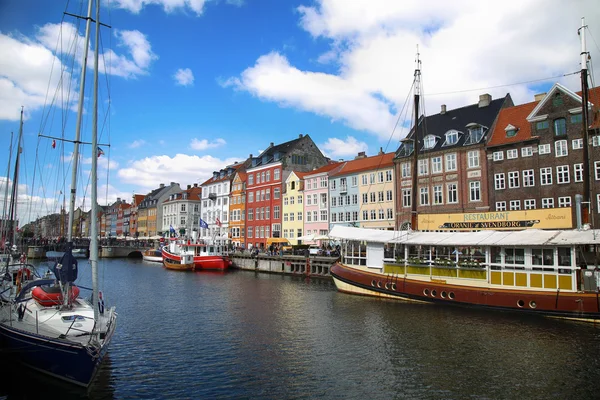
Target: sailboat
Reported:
[(47, 325), (539, 272)]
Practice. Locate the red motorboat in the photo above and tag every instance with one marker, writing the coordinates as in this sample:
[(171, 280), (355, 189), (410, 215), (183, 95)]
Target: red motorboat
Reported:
[(206, 256)]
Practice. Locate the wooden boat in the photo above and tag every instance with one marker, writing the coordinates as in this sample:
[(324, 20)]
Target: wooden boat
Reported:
[(205, 256), (549, 273), (185, 263), (153, 255)]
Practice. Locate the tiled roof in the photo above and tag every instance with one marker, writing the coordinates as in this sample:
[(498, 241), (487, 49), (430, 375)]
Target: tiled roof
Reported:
[(326, 168), (457, 119), (517, 117), (594, 98), (365, 164), (225, 177)]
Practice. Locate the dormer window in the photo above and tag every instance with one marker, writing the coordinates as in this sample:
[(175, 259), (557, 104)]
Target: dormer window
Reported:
[(511, 131), (406, 149), (451, 138), (475, 133), (428, 142)]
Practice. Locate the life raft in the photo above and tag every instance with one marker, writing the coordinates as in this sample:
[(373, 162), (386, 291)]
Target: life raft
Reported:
[(48, 296)]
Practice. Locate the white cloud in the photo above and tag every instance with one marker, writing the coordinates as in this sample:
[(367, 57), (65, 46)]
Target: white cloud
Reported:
[(467, 48), (336, 148), (34, 72), (205, 144), (184, 77), (170, 6), (137, 143), (148, 172)]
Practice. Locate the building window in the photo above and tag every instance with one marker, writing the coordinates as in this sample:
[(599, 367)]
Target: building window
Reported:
[(499, 182), (577, 144), (452, 193), (475, 191), (473, 157), (429, 142), (548, 202), (498, 156), (424, 195), (424, 167), (438, 197), (436, 165), (562, 174), (354, 199), (530, 204), (363, 179), (596, 141), (560, 127), (511, 132), (276, 174), (388, 176), (564, 201), (544, 149), (526, 152), (250, 182), (500, 206), (451, 138), (406, 197), (451, 162), (371, 197), (512, 153), (276, 212), (380, 177), (475, 135), (404, 170), (513, 179), (561, 148), (373, 215), (546, 176), (515, 205), (528, 178), (542, 125), (597, 170), (576, 119), (578, 172), (365, 215), (323, 215)]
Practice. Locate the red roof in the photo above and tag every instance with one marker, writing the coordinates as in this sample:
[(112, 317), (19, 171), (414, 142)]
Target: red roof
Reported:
[(366, 164), (325, 168), (517, 117)]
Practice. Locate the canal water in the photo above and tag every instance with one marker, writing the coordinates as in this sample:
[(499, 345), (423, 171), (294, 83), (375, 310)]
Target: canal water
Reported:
[(246, 335)]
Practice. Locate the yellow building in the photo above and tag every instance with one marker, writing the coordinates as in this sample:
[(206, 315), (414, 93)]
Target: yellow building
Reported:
[(293, 208), (376, 194)]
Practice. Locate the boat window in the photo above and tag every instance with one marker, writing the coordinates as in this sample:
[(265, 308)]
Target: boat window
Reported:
[(496, 255), (72, 317), (564, 256), (542, 256), (355, 253), (515, 256)]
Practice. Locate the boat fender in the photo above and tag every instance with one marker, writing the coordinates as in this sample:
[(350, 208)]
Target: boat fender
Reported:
[(23, 258)]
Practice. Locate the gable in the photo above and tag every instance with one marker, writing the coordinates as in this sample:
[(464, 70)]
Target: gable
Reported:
[(567, 98)]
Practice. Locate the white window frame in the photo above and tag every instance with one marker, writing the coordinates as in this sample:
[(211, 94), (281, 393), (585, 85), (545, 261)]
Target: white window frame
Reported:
[(546, 176), (498, 155), (563, 175), (515, 205), (528, 178), (475, 188), (499, 181), (473, 159), (512, 154), (544, 149), (526, 151), (501, 206), (451, 163), (513, 180), (529, 204), (561, 148)]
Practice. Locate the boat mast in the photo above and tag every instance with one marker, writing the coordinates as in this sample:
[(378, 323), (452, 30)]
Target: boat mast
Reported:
[(15, 186), (4, 230), (417, 87), (78, 127), (94, 178), (586, 206)]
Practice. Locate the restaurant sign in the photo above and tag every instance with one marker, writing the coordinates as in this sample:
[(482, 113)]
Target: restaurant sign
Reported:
[(546, 218)]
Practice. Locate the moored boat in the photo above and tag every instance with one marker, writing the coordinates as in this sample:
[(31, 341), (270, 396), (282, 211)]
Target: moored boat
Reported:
[(153, 255), (540, 272), (185, 263), (205, 256)]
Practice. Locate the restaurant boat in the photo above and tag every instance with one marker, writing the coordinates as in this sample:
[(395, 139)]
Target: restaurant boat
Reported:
[(206, 256), (546, 272)]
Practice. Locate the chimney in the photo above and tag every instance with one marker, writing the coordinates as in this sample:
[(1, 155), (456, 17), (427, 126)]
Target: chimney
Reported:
[(162, 185), (380, 151), (271, 145), (118, 199), (189, 187), (195, 185), (360, 155), (300, 136), (173, 183), (443, 109), (484, 100), (539, 96)]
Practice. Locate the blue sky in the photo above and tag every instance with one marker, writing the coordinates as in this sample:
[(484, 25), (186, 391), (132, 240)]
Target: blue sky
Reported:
[(196, 85)]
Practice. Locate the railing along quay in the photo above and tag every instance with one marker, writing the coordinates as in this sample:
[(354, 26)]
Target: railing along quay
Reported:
[(311, 266)]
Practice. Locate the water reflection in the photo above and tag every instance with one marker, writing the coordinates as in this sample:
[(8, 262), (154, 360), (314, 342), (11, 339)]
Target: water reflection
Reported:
[(249, 335)]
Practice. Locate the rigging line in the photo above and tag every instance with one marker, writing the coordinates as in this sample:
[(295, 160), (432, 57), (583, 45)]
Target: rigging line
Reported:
[(506, 85), (589, 31)]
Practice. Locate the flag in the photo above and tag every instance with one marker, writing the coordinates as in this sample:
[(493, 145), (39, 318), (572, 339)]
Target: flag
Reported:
[(53, 143), (218, 222), (203, 224), (171, 229), (100, 152)]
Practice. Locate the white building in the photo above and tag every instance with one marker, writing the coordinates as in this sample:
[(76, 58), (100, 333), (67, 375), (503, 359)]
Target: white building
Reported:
[(182, 211)]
